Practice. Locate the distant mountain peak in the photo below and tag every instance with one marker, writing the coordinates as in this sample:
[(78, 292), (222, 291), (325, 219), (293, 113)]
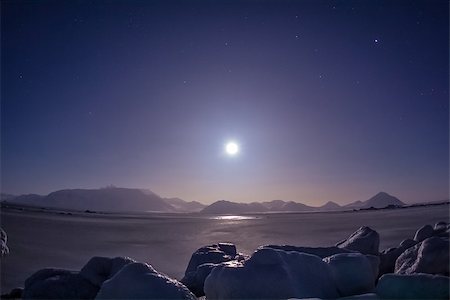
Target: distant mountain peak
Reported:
[(379, 200)]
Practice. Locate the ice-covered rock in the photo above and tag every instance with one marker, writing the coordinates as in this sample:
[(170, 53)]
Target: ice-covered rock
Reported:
[(215, 254), (364, 240), (442, 229), (322, 252), (141, 281), (353, 273), (423, 233), (430, 256), (204, 260), (441, 226), (388, 257), (274, 274), (58, 284), (98, 269), (3, 238), (414, 286)]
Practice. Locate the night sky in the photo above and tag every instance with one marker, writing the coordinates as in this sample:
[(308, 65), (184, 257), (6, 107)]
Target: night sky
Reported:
[(328, 100)]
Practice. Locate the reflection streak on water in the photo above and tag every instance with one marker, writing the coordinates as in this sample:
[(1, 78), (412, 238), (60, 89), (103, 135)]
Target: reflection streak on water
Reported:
[(234, 218)]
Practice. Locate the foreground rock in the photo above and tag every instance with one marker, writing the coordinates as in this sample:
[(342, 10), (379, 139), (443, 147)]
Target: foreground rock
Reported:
[(423, 233), (353, 273), (389, 257), (278, 274), (104, 278), (204, 260), (415, 286), (141, 281), (365, 240), (98, 269), (58, 284), (430, 256), (272, 274)]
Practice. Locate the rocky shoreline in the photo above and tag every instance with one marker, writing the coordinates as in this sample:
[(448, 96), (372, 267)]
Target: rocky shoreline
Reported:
[(352, 269)]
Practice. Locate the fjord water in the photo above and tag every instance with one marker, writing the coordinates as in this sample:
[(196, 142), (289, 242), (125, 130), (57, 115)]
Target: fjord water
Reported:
[(166, 241)]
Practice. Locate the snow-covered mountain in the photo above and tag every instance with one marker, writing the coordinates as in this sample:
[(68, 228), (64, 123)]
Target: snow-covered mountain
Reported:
[(380, 200), (111, 199), (114, 199)]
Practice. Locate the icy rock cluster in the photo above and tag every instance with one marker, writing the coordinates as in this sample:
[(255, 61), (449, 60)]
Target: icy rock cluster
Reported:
[(204, 260), (353, 269), (105, 278), (279, 274), (417, 269)]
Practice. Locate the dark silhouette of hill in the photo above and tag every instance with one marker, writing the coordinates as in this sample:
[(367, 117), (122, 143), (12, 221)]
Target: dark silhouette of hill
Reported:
[(185, 206), (380, 200), (111, 199)]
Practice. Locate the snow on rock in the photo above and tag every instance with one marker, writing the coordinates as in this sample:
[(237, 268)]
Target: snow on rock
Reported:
[(204, 260), (442, 229), (141, 281), (389, 256), (430, 256), (98, 269), (353, 273), (216, 253), (58, 284), (364, 240), (322, 252), (414, 286), (4, 239), (274, 274), (423, 233)]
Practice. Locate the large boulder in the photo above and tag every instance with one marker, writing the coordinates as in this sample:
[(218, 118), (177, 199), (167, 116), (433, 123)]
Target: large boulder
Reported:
[(414, 286), (141, 281), (365, 240), (98, 269), (353, 273), (322, 252), (388, 257), (272, 274), (58, 284), (423, 233), (430, 256), (204, 260)]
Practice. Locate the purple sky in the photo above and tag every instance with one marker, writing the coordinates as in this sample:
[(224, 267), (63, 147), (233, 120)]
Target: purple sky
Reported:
[(329, 100)]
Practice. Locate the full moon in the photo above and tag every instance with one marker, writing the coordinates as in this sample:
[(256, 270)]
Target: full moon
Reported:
[(232, 148)]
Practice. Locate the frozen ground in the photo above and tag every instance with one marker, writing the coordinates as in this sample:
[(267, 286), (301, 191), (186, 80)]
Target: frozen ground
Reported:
[(44, 239)]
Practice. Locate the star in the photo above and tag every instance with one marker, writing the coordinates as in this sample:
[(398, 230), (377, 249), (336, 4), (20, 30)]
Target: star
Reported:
[(376, 41)]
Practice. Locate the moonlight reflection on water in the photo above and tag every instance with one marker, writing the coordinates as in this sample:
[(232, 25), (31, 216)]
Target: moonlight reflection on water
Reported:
[(234, 218)]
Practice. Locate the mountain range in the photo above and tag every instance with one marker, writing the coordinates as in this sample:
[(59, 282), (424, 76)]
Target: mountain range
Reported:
[(111, 199), (114, 199), (380, 200)]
